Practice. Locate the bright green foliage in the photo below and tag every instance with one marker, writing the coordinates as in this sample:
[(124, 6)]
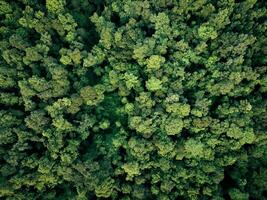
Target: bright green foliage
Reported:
[(92, 95), (133, 99), (153, 84), (194, 149), (55, 6), (154, 62), (173, 126)]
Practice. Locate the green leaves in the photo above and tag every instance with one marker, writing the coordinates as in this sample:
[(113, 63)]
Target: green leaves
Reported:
[(194, 149), (92, 95), (144, 127), (206, 32), (55, 6), (133, 99), (174, 126), (105, 189), (5, 8), (153, 84), (131, 169), (154, 62), (178, 109)]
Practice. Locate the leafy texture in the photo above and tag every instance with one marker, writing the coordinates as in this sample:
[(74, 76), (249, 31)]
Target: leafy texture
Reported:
[(123, 99)]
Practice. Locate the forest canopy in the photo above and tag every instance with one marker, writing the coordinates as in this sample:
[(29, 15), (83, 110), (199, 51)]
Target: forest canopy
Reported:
[(133, 99)]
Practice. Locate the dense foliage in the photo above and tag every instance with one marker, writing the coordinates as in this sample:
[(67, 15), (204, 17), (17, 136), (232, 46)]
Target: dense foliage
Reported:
[(133, 99)]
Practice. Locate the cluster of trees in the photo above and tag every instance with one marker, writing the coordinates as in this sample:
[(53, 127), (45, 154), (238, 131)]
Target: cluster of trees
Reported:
[(133, 99)]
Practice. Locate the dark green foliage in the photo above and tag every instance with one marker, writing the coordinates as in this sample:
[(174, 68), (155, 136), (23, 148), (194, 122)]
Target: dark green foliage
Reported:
[(123, 99)]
